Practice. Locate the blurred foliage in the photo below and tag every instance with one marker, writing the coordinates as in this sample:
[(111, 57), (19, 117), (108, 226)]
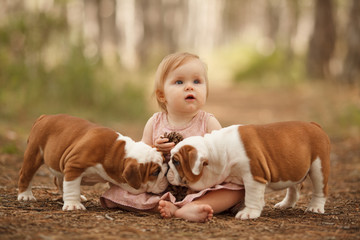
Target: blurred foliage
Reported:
[(42, 71), (10, 148), (350, 116), (9, 143), (276, 67)]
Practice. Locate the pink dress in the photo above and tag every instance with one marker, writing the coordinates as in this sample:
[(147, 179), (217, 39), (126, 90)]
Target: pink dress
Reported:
[(117, 197)]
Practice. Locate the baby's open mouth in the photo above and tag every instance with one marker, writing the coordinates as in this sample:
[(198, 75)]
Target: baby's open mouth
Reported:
[(189, 97)]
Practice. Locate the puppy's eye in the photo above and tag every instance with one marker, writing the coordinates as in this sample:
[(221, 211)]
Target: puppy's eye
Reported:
[(176, 162), (157, 172)]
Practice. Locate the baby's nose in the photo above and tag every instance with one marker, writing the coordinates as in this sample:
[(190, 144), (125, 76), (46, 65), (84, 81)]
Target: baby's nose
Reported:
[(189, 86)]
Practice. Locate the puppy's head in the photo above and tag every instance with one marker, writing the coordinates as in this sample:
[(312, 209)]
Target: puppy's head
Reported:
[(187, 163), (144, 169)]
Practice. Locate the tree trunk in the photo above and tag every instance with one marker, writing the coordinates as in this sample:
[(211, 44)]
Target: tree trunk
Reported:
[(351, 73), (130, 32), (152, 29), (322, 41), (108, 31), (203, 29), (91, 28)]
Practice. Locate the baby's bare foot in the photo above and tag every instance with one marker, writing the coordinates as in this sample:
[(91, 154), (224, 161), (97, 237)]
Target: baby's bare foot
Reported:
[(167, 209), (195, 212)]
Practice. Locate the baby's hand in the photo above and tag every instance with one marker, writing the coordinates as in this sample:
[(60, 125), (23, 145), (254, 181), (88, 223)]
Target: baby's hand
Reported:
[(163, 144)]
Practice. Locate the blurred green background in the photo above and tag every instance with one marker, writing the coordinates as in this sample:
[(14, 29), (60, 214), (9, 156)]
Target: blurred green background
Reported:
[(96, 59)]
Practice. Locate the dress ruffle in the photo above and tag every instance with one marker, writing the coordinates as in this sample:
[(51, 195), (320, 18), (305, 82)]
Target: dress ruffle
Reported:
[(116, 197)]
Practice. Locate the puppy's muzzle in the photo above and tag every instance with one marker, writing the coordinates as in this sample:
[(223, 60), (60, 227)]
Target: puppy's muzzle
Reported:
[(177, 181), (170, 176)]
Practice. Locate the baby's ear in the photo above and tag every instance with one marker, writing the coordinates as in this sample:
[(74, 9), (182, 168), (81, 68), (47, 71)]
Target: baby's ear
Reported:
[(160, 95)]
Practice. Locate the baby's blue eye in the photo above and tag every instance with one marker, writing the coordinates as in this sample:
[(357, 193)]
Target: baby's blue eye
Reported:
[(197, 81), (178, 82)]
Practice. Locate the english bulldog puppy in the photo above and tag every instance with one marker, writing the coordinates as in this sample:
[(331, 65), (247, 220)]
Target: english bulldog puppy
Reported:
[(272, 156), (78, 151)]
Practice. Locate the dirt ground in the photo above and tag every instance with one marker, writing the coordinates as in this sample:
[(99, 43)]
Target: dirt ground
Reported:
[(44, 218)]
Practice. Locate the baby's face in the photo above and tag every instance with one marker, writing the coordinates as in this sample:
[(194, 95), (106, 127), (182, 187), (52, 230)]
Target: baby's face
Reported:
[(185, 87)]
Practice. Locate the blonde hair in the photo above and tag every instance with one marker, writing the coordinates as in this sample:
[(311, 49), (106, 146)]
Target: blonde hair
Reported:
[(168, 64)]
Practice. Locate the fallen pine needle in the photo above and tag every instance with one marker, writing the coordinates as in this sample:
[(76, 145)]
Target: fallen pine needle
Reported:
[(108, 217)]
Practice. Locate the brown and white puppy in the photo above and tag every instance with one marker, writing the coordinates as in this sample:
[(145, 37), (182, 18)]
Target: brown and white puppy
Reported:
[(76, 150), (273, 156)]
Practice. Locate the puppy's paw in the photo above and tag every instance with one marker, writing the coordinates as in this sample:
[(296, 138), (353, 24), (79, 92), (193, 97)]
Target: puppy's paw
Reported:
[(315, 209), (316, 205), (26, 196), (248, 213), (284, 205), (73, 205)]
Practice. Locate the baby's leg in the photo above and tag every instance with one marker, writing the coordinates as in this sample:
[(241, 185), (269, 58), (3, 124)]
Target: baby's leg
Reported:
[(221, 200), (203, 208)]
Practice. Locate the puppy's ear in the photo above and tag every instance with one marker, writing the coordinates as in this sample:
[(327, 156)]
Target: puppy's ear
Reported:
[(165, 158), (132, 173), (199, 165)]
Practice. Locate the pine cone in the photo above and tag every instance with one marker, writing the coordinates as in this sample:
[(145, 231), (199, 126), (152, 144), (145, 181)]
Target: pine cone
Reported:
[(174, 137), (178, 192)]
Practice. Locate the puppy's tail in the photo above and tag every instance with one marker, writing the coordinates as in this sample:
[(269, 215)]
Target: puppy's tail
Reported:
[(316, 124), (36, 122)]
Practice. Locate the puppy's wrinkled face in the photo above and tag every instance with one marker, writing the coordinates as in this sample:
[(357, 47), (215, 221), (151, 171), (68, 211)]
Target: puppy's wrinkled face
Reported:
[(145, 169), (186, 163)]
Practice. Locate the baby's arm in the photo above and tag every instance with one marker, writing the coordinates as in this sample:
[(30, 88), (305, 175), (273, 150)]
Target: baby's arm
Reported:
[(161, 144), (148, 132), (212, 124)]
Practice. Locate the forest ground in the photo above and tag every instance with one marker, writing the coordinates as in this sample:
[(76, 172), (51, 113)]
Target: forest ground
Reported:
[(44, 218)]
